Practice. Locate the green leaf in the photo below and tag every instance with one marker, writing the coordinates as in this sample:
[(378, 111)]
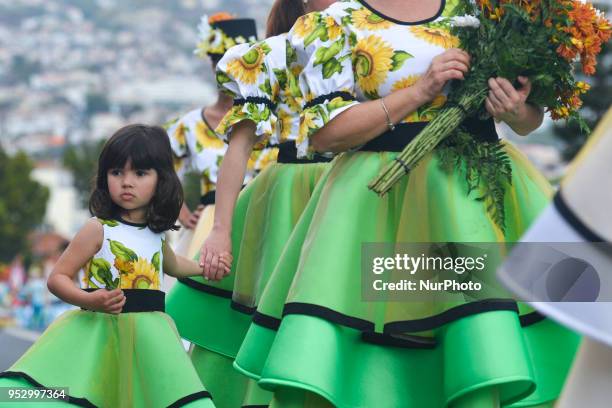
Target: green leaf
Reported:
[(155, 261), (398, 59), (121, 251), (325, 54), (331, 67), (108, 223)]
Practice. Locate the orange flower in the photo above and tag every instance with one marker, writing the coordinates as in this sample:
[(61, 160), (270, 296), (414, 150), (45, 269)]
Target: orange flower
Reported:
[(587, 30), (221, 16)]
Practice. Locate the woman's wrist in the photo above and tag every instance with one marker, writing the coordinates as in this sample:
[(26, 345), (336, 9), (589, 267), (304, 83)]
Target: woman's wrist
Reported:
[(221, 228), (418, 95)]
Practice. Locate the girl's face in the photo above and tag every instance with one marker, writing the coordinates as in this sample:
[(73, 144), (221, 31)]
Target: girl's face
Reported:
[(131, 189)]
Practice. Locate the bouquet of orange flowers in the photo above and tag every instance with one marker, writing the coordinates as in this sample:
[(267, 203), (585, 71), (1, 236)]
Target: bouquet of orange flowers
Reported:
[(540, 39)]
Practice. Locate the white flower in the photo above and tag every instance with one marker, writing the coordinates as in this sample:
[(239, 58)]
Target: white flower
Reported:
[(465, 21), (204, 29), (240, 40)]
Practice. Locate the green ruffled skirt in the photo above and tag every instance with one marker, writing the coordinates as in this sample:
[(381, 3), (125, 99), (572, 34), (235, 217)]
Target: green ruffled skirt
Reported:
[(313, 332), (125, 360), (216, 315)]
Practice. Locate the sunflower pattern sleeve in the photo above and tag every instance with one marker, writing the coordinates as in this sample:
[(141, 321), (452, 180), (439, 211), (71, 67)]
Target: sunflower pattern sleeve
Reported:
[(318, 48), (245, 73), (176, 132)]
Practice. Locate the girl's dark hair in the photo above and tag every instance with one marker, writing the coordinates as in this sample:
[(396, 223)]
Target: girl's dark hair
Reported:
[(148, 147), (283, 15)]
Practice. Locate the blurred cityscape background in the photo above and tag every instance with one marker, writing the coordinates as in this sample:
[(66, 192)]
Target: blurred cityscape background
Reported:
[(74, 71)]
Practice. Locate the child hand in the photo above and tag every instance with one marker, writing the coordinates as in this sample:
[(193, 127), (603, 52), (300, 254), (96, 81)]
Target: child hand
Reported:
[(216, 255), (106, 301)]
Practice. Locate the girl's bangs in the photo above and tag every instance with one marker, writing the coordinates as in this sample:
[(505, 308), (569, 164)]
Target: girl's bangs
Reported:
[(136, 148)]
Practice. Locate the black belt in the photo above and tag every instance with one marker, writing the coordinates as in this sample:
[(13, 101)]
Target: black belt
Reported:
[(287, 153), (208, 198), (404, 133), (141, 300)]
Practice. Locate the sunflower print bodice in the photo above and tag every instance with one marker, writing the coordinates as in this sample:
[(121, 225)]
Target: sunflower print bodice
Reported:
[(264, 90), (198, 148), (131, 257), (351, 53)]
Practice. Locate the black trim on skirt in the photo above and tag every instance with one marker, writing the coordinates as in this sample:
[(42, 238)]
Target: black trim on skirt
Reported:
[(206, 288), (404, 133), (409, 326), (451, 315), (81, 402), (208, 198), (141, 300), (531, 318), (190, 398), (411, 342), (574, 221), (266, 321), (287, 153), (239, 307), (328, 314)]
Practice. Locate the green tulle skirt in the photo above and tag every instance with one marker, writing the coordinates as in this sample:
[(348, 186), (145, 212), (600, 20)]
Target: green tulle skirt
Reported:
[(312, 330), (125, 360), (216, 315)]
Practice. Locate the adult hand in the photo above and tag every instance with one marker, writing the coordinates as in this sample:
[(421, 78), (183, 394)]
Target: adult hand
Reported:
[(505, 102), (216, 255), (451, 64)]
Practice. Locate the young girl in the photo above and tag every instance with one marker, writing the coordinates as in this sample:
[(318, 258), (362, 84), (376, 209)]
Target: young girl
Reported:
[(120, 349)]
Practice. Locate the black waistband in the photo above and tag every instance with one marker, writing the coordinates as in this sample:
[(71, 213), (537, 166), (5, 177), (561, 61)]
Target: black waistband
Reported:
[(208, 198), (287, 153), (404, 133), (141, 300)]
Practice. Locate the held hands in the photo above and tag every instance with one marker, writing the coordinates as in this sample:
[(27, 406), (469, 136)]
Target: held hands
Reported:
[(106, 301), (451, 64), (216, 255), (506, 103)]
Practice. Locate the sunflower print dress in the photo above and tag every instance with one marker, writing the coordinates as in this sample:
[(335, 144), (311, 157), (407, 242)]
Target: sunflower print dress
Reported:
[(133, 359), (312, 331)]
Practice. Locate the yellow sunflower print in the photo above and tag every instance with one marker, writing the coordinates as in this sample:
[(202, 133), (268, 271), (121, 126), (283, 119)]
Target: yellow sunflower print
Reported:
[(434, 35), (247, 68), (372, 61), (266, 158), (407, 82), (124, 266), (284, 122), (179, 134), (305, 25), (307, 122), (333, 29), (364, 19), (143, 276), (206, 138)]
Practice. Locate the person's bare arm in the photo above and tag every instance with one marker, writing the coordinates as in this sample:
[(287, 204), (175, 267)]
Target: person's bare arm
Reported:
[(361, 123), (229, 184)]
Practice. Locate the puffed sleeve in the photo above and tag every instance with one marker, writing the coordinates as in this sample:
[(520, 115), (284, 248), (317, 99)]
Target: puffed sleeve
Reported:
[(318, 48), (246, 73), (180, 154)]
